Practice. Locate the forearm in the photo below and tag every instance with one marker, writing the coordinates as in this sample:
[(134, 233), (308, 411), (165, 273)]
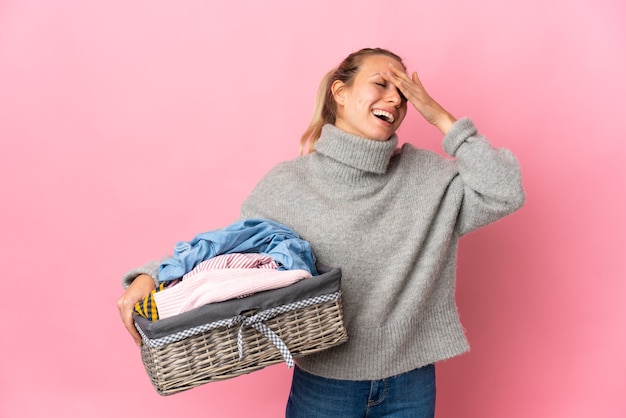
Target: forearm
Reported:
[(151, 269), (491, 177), (445, 122)]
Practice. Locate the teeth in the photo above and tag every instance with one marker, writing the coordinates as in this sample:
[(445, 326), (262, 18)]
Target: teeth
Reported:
[(386, 116)]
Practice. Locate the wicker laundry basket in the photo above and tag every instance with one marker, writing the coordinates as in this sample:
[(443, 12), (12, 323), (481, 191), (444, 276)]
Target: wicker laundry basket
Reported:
[(227, 339)]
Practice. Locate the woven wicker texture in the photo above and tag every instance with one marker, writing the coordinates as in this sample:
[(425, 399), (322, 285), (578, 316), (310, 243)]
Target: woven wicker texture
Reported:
[(213, 355)]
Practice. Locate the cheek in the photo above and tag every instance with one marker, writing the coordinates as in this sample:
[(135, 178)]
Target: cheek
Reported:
[(358, 106), (364, 102), (402, 115), (360, 102)]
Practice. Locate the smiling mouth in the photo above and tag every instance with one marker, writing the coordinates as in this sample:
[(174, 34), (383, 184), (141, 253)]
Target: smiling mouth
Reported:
[(384, 116)]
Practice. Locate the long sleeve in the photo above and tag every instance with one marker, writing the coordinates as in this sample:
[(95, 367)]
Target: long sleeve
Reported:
[(491, 177), (151, 268), (402, 224)]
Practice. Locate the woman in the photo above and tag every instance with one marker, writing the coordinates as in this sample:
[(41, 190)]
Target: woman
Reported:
[(390, 219)]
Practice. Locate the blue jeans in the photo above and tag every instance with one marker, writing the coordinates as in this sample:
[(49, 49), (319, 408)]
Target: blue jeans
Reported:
[(410, 395)]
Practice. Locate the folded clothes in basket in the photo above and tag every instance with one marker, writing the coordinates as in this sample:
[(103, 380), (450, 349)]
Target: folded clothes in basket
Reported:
[(226, 339), (220, 278), (250, 243), (219, 285), (327, 283)]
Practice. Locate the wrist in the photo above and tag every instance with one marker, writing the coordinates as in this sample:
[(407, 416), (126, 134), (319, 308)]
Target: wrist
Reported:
[(445, 122), (144, 281)]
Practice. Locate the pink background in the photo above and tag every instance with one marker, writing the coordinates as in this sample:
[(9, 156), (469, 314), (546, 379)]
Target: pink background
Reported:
[(129, 125)]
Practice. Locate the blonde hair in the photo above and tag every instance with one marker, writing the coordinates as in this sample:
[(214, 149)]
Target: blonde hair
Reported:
[(325, 109)]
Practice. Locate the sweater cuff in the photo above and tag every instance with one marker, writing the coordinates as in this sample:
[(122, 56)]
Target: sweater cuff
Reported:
[(461, 130), (151, 269)]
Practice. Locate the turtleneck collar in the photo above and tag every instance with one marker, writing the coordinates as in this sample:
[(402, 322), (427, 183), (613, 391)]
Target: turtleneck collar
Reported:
[(359, 153)]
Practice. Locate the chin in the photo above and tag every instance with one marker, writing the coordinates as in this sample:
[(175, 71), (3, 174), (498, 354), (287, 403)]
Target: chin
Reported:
[(382, 136)]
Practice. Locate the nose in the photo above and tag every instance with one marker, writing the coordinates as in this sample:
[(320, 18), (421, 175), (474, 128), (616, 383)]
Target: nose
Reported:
[(394, 96)]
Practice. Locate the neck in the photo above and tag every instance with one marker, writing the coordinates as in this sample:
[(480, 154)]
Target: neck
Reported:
[(354, 152)]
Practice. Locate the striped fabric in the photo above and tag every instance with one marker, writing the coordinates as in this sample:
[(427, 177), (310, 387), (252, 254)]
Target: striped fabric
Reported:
[(148, 308), (235, 261), (218, 285)]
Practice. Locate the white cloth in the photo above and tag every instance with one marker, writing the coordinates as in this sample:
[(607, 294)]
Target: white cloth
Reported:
[(218, 285)]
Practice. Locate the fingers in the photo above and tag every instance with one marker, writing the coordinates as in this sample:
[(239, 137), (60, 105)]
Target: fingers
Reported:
[(126, 308), (416, 79), (397, 72), (129, 323), (400, 80), (133, 332), (398, 77), (138, 289), (414, 91)]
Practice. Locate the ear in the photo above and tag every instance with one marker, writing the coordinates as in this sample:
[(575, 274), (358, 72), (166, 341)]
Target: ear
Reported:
[(338, 88)]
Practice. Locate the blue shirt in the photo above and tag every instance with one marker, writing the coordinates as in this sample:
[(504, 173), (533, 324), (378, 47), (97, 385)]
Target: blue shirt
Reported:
[(248, 236)]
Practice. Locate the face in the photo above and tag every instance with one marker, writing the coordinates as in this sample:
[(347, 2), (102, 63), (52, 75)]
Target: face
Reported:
[(371, 107)]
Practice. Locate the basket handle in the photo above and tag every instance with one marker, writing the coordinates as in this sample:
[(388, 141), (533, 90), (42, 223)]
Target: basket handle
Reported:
[(256, 322)]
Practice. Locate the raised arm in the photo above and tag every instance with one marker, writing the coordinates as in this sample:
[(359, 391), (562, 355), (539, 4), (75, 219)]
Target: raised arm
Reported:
[(416, 94), (491, 177)]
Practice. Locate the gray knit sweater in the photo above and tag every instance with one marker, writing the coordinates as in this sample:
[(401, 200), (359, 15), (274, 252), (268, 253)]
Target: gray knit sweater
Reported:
[(390, 219)]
